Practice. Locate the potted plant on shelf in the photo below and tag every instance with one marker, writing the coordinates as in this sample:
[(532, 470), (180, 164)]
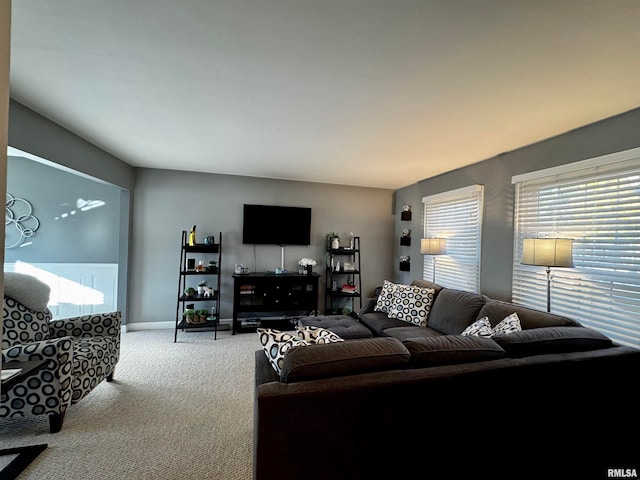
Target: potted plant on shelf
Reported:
[(333, 241), (202, 315), (190, 291), (201, 286), (189, 315)]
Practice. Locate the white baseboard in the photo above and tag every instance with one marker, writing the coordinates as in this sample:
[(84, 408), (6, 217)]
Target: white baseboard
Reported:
[(132, 327)]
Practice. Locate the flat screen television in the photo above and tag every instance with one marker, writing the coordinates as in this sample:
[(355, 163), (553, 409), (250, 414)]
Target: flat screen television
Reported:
[(276, 225)]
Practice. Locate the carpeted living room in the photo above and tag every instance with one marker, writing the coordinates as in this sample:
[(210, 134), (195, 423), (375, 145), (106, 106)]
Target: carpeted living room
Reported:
[(454, 275)]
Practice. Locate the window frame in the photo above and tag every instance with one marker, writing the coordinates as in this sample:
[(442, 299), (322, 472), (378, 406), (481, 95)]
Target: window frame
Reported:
[(443, 217)]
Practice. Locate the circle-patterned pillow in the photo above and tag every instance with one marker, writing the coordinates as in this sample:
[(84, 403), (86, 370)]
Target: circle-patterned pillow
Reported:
[(314, 334), (385, 299), (276, 343), (412, 304)]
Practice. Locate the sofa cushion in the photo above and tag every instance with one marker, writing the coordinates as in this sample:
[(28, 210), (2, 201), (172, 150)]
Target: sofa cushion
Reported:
[(454, 310), (378, 322), (385, 299), (276, 343), (411, 304), (539, 341), (410, 331), (345, 326), (314, 334), (343, 358), (496, 310), (452, 349)]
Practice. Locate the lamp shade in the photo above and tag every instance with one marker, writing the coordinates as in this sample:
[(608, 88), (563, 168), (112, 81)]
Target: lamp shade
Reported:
[(433, 246), (547, 252)]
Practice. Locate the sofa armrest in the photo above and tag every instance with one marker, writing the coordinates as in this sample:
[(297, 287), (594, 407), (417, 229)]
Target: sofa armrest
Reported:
[(368, 305), (95, 325)]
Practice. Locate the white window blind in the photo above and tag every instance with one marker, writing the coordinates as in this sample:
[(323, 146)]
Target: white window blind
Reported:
[(597, 204), (457, 217)]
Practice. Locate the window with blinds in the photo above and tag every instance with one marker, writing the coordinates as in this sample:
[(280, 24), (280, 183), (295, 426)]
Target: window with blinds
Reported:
[(455, 216), (597, 204)]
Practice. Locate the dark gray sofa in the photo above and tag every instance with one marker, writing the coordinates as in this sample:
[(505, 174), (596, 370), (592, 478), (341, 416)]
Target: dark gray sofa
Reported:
[(552, 401)]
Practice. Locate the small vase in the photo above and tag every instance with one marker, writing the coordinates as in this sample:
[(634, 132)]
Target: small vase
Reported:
[(335, 243), (308, 269)]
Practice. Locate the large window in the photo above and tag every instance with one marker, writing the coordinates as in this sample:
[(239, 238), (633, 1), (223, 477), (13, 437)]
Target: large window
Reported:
[(455, 216), (597, 204)]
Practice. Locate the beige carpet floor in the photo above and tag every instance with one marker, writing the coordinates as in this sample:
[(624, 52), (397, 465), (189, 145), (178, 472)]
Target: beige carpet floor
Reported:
[(174, 411)]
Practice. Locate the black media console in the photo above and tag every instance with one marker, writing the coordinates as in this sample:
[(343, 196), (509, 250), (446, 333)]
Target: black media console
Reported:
[(265, 297)]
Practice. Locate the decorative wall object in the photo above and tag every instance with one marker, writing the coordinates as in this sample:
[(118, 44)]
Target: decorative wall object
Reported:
[(19, 215), (405, 239), (406, 213)]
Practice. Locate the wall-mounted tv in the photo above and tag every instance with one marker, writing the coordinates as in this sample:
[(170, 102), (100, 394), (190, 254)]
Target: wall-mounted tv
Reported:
[(276, 225)]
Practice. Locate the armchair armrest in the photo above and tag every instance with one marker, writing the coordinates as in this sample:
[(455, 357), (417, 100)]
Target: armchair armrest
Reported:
[(57, 351), (95, 325)]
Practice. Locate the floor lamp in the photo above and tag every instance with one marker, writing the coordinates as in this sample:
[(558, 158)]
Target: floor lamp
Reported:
[(433, 246), (547, 252)]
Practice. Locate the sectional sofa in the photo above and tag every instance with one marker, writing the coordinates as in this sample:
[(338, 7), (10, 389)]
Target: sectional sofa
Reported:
[(472, 387)]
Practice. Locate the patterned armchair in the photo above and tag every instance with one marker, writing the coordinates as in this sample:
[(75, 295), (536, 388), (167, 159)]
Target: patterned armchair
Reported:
[(80, 351)]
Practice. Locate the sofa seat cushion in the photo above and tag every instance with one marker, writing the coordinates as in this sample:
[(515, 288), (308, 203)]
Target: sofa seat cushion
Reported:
[(378, 322), (343, 358), (90, 352), (344, 326), (539, 341), (405, 333), (452, 349), (455, 310), (496, 310)]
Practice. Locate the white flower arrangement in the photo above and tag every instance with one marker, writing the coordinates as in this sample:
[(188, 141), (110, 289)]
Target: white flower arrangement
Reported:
[(305, 262)]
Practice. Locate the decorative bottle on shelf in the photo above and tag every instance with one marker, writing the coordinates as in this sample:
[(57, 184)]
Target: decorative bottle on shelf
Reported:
[(192, 236)]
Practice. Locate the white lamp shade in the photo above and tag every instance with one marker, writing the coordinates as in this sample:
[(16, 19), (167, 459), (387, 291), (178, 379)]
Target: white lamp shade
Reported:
[(547, 252), (433, 246)]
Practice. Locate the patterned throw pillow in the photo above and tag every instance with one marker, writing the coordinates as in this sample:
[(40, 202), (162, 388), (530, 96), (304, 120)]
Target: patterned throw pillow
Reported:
[(313, 334), (412, 304), (385, 299), (510, 324), (480, 328), (276, 343)]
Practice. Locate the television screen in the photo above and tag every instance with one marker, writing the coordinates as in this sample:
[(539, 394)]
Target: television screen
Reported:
[(276, 225)]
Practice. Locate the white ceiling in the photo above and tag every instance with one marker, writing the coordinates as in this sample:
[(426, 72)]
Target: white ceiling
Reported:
[(377, 93)]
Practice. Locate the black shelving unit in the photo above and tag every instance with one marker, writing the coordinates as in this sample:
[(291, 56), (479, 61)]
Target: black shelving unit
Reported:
[(191, 277), (343, 277)]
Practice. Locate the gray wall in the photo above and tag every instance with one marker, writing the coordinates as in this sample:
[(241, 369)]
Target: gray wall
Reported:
[(36, 135), (167, 202), (618, 133), (33, 133), (81, 237)]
